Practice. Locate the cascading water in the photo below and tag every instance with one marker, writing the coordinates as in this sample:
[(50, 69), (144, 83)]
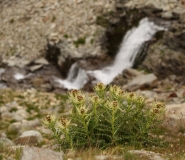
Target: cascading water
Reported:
[(132, 42), (76, 78), (130, 46)]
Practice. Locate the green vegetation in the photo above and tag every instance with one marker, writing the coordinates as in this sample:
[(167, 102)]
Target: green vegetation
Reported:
[(6, 152), (109, 153), (53, 18), (102, 21), (109, 117), (80, 41)]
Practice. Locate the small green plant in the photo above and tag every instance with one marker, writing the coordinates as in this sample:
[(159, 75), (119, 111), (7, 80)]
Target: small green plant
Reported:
[(80, 41), (106, 118)]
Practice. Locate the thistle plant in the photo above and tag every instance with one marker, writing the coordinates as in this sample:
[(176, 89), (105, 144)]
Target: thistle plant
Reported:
[(106, 118)]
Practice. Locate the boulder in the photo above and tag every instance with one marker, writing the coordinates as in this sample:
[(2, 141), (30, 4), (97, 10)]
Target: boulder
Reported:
[(142, 82), (30, 137), (175, 118)]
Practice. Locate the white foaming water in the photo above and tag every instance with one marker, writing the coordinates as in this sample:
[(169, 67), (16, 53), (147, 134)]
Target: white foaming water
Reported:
[(19, 76), (130, 46), (76, 78)]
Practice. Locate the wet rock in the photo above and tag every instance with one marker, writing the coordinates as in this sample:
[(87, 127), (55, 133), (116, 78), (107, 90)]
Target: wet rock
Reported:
[(9, 75), (30, 137), (142, 82), (175, 117), (33, 153)]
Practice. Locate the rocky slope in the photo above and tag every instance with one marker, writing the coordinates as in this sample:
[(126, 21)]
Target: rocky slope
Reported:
[(27, 25)]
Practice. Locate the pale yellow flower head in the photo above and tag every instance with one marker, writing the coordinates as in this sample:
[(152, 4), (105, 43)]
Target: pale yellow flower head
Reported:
[(77, 97), (63, 123), (99, 87), (49, 119)]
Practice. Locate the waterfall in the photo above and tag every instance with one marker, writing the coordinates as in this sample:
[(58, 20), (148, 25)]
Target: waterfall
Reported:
[(76, 78), (131, 44)]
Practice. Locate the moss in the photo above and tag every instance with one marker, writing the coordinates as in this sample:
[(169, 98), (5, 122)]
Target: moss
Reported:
[(30, 107), (80, 41), (66, 36), (11, 21), (13, 110), (102, 21), (12, 134), (61, 97), (159, 35), (92, 41), (4, 125), (53, 18), (12, 121)]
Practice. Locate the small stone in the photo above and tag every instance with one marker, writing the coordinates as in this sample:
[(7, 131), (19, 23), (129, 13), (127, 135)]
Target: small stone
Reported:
[(6, 116), (167, 15), (6, 142), (79, 1), (34, 153), (41, 61), (22, 113), (35, 67), (101, 157), (37, 82), (2, 70)]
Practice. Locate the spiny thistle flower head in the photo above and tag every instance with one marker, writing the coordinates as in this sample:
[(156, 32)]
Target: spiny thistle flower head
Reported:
[(73, 93), (116, 91), (131, 97), (63, 123), (49, 119), (82, 111), (113, 105), (158, 107), (96, 100), (140, 100), (77, 96), (99, 87)]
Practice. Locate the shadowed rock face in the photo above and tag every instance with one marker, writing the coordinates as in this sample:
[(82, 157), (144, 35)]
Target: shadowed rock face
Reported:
[(167, 56)]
